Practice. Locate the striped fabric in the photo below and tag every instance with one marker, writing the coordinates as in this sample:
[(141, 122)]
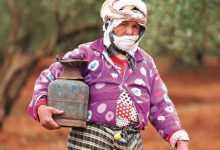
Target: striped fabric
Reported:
[(101, 137)]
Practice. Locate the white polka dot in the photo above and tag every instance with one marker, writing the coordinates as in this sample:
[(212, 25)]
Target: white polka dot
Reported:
[(101, 108), (143, 71), (169, 109), (89, 115), (166, 98), (161, 118), (93, 65), (114, 75), (136, 91), (109, 116), (139, 82), (99, 85)]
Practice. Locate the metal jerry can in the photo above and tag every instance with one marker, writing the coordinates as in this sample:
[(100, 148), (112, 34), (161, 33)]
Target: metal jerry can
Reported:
[(70, 94)]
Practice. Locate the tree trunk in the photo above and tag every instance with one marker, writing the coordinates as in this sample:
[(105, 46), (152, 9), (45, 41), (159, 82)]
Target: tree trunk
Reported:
[(12, 83), (20, 65)]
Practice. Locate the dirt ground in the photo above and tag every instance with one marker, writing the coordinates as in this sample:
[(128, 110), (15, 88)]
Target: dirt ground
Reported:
[(195, 93)]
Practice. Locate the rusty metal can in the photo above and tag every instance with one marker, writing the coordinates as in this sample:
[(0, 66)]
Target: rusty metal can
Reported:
[(70, 94)]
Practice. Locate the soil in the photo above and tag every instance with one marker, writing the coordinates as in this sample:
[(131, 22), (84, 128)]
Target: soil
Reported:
[(195, 93)]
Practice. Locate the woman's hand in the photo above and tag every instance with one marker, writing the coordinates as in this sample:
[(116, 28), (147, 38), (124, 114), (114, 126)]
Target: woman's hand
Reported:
[(45, 114), (182, 145)]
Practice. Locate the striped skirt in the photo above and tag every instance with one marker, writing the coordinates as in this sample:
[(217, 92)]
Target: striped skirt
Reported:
[(101, 137)]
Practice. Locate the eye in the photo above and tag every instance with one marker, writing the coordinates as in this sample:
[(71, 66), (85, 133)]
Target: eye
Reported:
[(123, 23), (136, 26)]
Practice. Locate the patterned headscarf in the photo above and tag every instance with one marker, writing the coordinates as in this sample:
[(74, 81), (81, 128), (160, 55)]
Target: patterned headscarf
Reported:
[(113, 13), (133, 10)]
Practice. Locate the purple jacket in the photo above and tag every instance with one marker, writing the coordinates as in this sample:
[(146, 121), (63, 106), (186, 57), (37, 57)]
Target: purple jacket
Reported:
[(145, 87)]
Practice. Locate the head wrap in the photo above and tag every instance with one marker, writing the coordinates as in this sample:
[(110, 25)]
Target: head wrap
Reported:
[(132, 10), (114, 12)]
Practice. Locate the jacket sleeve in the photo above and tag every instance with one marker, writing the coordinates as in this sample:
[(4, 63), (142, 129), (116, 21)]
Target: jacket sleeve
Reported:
[(41, 87), (163, 115), (40, 91)]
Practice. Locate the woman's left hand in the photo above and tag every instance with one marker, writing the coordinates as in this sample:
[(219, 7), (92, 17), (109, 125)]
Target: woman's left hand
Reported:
[(182, 145)]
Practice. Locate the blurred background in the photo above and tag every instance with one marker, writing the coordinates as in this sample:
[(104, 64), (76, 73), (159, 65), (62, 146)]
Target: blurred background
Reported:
[(182, 36)]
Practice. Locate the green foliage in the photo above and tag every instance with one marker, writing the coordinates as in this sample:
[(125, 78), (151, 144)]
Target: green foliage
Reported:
[(181, 29), (4, 25), (37, 19)]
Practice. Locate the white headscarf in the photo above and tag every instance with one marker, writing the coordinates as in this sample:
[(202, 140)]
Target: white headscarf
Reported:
[(113, 13), (124, 9)]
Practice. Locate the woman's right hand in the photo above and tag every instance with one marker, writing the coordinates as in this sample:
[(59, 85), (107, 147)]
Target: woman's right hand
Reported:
[(45, 114)]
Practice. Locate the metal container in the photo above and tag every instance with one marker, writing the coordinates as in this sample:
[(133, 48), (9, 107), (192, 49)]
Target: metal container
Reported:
[(70, 94)]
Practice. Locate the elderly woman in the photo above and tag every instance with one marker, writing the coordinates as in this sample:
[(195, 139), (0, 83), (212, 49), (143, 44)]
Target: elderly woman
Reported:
[(125, 89)]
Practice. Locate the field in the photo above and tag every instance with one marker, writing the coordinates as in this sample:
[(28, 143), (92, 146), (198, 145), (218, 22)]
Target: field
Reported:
[(195, 93)]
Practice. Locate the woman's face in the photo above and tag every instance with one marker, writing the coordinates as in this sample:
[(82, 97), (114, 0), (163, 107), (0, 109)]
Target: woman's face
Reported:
[(127, 28)]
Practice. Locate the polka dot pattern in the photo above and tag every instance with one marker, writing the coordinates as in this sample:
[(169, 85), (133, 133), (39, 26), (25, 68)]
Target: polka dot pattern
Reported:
[(109, 116), (100, 85), (161, 118), (114, 75), (125, 112), (143, 71), (101, 108), (121, 122), (139, 82), (93, 65), (136, 91), (89, 115), (166, 98), (169, 109)]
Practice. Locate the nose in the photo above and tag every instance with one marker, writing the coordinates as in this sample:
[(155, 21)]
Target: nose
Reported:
[(128, 30)]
